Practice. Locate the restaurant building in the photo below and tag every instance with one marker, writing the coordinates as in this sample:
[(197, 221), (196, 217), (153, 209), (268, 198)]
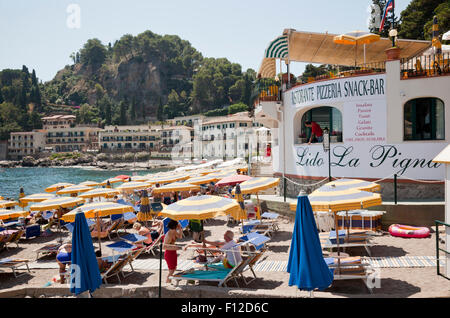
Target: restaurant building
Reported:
[(385, 112)]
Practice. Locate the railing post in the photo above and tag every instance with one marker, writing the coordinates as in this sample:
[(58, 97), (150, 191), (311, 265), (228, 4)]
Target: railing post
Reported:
[(395, 188)]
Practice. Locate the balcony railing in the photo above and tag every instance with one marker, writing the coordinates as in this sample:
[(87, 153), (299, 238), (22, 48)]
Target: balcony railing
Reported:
[(425, 66), (267, 89)]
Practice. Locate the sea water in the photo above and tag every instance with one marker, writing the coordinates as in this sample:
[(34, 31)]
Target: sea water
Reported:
[(36, 179)]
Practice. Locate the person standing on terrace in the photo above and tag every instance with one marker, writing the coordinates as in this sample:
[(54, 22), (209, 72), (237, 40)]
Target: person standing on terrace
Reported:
[(315, 131)]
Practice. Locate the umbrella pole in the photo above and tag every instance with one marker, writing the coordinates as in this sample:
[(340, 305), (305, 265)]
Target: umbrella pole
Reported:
[(258, 213), (98, 233), (160, 267), (337, 243)]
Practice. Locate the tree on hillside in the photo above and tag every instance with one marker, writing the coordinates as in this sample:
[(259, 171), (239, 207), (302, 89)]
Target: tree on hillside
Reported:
[(414, 18), (442, 13), (93, 53), (122, 113)]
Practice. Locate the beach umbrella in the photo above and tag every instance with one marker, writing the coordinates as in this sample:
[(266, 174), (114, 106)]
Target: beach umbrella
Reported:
[(344, 184), (21, 195), (11, 214), (37, 197), (58, 186), (176, 187), (133, 185), (110, 181), (446, 36), (306, 265), (167, 179), (75, 189), (144, 213), (90, 183), (100, 192), (200, 208), (255, 185), (8, 203), (123, 177), (140, 178), (202, 180), (242, 215), (233, 180), (85, 273), (357, 38), (97, 210)]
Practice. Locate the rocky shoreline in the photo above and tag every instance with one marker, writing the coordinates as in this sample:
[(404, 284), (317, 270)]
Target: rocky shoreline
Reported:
[(88, 161)]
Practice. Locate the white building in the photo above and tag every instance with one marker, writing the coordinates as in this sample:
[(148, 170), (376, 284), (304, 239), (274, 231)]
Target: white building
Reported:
[(137, 137), (23, 144), (386, 118)]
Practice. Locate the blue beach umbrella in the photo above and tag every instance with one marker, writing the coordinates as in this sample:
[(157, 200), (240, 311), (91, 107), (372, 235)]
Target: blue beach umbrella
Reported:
[(85, 274), (306, 265)]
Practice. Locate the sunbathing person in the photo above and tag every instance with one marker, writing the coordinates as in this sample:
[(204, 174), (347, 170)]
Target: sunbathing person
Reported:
[(64, 257), (232, 251)]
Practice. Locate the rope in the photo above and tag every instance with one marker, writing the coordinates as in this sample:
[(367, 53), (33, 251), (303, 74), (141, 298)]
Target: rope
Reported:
[(391, 175), (306, 184), (424, 181)]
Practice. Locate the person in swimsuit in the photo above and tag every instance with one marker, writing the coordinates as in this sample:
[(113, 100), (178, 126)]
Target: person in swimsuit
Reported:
[(64, 257), (170, 250), (156, 196)]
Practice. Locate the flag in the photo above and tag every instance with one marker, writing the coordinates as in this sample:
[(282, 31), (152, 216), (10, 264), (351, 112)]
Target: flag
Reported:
[(389, 6)]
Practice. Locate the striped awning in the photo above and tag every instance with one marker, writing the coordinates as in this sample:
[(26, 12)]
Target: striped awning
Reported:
[(278, 48), (200, 208), (98, 209)]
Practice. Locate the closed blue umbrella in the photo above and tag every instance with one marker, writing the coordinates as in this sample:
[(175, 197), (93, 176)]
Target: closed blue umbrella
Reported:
[(306, 265), (85, 274)]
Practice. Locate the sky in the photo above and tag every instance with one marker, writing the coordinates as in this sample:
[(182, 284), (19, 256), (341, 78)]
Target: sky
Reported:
[(42, 34)]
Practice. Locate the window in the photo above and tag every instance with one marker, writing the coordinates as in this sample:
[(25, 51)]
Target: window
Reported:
[(424, 119), (325, 116)]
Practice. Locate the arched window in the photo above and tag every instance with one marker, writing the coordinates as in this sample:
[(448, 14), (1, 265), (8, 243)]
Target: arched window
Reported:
[(424, 119), (325, 116)]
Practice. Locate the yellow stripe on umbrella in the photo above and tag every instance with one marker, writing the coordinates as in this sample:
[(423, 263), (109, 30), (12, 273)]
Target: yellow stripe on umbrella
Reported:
[(90, 183), (111, 181), (58, 186), (74, 189), (101, 192), (200, 208), (175, 187), (257, 184), (168, 179), (8, 214), (37, 197), (66, 202), (202, 180), (133, 185), (98, 209), (8, 204), (358, 184)]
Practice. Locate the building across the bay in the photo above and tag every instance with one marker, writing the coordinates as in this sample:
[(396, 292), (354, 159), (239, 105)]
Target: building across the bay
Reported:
[(129, 138), (27, 143)]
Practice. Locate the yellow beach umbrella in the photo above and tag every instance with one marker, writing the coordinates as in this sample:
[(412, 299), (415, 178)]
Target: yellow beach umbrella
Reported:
[(133, 185), (203, 179), (8, 203), (100, 192), (58, 186), (37, 197), (175, 187), (255, 185), (74, 189), (201, 207), (356, 38), (111, 181), (139, 178), (98, 209), (90, 183), (8, 214), (168, 179), (58, 203), (344, 184)]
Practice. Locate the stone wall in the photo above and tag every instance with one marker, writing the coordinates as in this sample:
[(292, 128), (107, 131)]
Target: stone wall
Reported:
[(405, 191)]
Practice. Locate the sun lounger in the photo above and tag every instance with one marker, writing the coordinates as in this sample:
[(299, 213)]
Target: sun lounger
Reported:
[(48, 249), (112, 228), (14, 264), (252, 262), (255, 240), (154, 245), (256, 226), (214, 273), (11, 236), (350, 268), (116, 269), (328, 240)]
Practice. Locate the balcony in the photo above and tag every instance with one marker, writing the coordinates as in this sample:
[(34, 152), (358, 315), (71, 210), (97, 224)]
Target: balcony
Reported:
[(425, 66)]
